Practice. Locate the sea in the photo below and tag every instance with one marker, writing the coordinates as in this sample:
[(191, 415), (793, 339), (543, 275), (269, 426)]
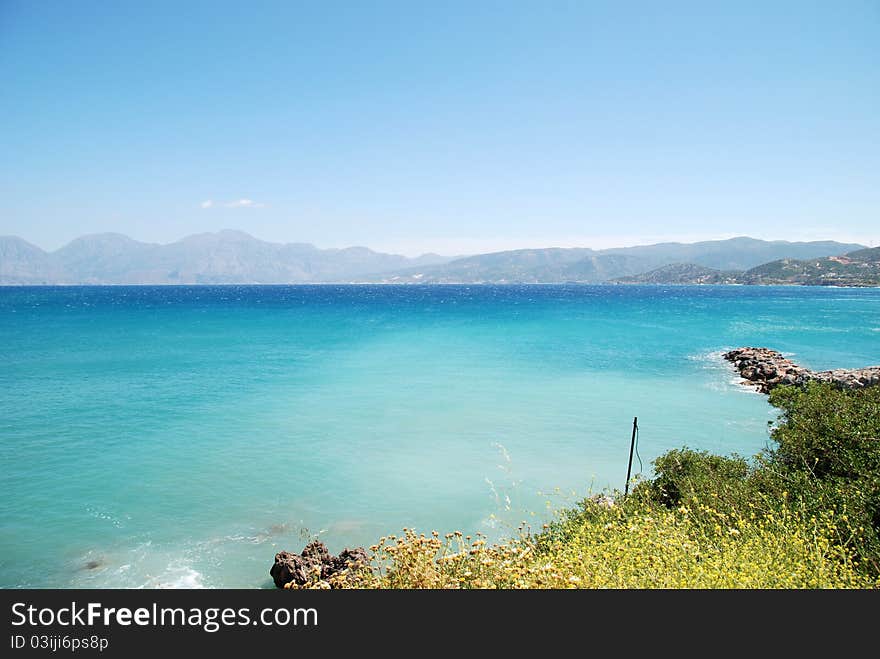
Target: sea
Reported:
[(171, 436)]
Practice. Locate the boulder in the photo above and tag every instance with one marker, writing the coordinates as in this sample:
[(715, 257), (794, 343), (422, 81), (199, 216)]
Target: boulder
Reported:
[(314, 564)]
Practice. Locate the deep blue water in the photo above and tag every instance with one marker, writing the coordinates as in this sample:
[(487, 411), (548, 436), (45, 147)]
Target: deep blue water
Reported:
[(180, 436)]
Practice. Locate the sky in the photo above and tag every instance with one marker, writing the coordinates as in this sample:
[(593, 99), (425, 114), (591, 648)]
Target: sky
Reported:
[(449, 127)]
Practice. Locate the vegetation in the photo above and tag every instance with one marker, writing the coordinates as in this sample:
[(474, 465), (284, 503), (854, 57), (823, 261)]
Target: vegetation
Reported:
[(682, 273), (805, 514), (859, 268)]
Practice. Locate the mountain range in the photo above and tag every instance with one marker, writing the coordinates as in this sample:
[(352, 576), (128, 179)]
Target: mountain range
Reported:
[(226, 257), (597, 266), (234, 257)]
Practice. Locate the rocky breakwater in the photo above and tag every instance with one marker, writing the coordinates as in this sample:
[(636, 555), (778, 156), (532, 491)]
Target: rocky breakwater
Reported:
[(766, 368), (316, 567)]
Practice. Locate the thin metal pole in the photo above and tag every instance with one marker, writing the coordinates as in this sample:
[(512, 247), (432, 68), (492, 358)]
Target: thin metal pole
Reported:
[(632, 445)]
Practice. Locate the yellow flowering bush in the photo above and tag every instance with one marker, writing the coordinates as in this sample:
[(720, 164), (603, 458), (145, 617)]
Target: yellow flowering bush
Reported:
[(635, 545)]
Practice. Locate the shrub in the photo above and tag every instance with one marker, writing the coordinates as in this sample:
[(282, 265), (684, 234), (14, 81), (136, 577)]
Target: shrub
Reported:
[(682, 474), (829, 432), (828, 458)]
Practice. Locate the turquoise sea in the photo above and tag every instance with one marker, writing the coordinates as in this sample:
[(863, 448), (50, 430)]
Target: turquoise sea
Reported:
[(181, 436)]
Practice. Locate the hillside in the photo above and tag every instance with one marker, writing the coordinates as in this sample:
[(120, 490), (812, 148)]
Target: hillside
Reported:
[(682, 273), (858, 268), (739, 253), (552, 265)]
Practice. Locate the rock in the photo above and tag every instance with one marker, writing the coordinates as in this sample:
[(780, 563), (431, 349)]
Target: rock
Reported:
[(291, 567), (350, 558), (314, 565), (767, 368), (317, 552)]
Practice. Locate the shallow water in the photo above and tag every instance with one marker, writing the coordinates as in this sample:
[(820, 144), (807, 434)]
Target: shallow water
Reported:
[(180, 436)]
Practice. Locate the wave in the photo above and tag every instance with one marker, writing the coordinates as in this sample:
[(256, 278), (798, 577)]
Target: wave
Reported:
[(139, 566), (176, 577), (727, 378), (140, 563)]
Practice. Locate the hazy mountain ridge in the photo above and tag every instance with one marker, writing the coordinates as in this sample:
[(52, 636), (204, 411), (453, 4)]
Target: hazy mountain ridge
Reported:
[(741, 253), (235, 257), (553, 265), (225, 257), (23, 263)]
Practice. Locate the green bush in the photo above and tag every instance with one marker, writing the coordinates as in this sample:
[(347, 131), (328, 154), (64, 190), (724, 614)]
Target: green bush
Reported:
[(828, 458), (682, 474), (828, 432)]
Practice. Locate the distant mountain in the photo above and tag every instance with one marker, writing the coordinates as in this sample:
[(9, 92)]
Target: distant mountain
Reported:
[(234, 257), (682, 273), (23, 263), (858, 268), (596, 266), (524, 266), (735, 253), (226, 257), (104, 258)]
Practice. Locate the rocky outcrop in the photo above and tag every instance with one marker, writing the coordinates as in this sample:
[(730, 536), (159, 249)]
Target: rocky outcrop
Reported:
[(315, 565), (851, 379), (766, 369)]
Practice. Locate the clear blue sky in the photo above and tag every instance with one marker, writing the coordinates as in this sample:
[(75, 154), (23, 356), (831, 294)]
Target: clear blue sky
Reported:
[(454, 127)]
